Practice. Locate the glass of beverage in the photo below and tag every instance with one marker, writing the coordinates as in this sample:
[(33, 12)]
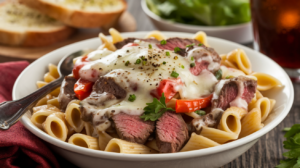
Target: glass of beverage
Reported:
[(276, 27)]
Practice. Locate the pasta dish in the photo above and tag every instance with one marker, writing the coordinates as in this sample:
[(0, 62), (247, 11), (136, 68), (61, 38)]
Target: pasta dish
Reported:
[(155, 95)]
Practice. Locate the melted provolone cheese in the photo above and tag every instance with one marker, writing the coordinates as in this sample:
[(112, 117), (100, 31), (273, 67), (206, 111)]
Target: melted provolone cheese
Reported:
[(146, 76)]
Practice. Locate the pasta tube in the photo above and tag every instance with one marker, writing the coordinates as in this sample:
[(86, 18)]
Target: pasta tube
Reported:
[(84, 141), (197, 142), (55, 126), (121, 146)]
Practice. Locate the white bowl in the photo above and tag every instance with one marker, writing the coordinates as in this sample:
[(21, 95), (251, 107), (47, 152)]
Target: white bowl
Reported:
[(240, 33), (206, 158)]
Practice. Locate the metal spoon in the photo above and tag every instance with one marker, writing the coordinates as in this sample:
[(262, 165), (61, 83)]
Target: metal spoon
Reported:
[(11, 111)]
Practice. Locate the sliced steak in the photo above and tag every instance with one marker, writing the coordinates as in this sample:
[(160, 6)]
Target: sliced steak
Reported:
[(171, 133), (106, 92), (177, 42), (66, 92), (132, 128), (237, 92)]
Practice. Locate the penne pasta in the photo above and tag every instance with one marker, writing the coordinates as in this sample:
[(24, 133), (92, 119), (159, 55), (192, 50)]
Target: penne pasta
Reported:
[(265, 81), (263, 105), (197, 142), (116, 36), (103, 140), (156, 34), (53, 102), (201, 37), (39, 117), (53, 71), (217, 135), (251, 123), (240, 60), (55, 126), (84, 141), (121, 146), (230, 121), (106, 43), (43, 101), (73, 118)]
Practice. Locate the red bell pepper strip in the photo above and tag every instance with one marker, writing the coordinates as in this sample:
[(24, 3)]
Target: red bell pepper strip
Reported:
[(188, 106), (78, 65), (83, 88), (167, 86)]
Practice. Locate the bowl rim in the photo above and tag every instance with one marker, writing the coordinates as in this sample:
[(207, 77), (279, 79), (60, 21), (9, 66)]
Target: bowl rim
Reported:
[(152, 15), (157, 157)]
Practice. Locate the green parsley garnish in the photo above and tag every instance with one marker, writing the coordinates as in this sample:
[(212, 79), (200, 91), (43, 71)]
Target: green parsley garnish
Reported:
[(174, 74), (127, 63), (164, 62), (200, 112), (176, 49), (192, 64), (227, 77), (163, 42), (192, 58), (138, 61), (200, 44), (218, 74), (153, 111), (182, 66), (190, 45), (144, 62), (292, 143), (167, 53), (132, 98), (150, 46)]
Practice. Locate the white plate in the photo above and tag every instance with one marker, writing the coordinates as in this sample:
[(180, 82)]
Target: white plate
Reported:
[(240, 33), (210, 157)]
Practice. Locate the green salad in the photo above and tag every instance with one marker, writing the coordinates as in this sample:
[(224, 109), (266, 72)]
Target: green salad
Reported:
[(202, 12)]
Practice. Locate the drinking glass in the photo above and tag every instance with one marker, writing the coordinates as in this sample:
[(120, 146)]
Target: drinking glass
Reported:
[(276, 27)]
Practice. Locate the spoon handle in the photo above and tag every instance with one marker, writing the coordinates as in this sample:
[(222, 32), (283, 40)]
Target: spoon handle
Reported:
[(11, 111)]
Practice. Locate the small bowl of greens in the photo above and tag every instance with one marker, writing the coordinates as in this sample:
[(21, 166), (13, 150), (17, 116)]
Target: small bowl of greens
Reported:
[(227, 19)]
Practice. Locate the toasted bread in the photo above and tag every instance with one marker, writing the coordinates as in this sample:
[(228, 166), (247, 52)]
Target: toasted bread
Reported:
[(23, 26), (81, 13)]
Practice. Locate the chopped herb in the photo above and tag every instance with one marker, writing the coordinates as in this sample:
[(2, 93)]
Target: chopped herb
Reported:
[(167, 53), (150, 46), (218, 74), (182, 66), (192, 58), (164, 62), (138, 61), (163, 42), (190, 45), (132, 98), (176, 49), (153, 111), (144, 62), (200, 44), (227, 77), (192, 65), (200, 112), (127, 63), (174, 74), (292, 143)]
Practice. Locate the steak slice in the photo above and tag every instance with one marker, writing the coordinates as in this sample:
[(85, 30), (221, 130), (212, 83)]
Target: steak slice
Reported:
[(66, 92), (132, 128), (106, 92), (171, 133), (237, 92)]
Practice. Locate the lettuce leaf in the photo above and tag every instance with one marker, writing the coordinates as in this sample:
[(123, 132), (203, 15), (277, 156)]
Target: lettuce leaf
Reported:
[(202, 12)]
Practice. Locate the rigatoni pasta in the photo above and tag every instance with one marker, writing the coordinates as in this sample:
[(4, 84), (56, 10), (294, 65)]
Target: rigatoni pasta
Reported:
[(84, 141), (121, 146), (55, 126)]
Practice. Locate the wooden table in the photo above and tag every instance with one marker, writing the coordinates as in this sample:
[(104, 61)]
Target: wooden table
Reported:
[(267, 152)]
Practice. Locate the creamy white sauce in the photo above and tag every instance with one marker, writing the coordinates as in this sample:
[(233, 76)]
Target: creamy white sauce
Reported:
[(231, 72), (146, 77), (201, 54)]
